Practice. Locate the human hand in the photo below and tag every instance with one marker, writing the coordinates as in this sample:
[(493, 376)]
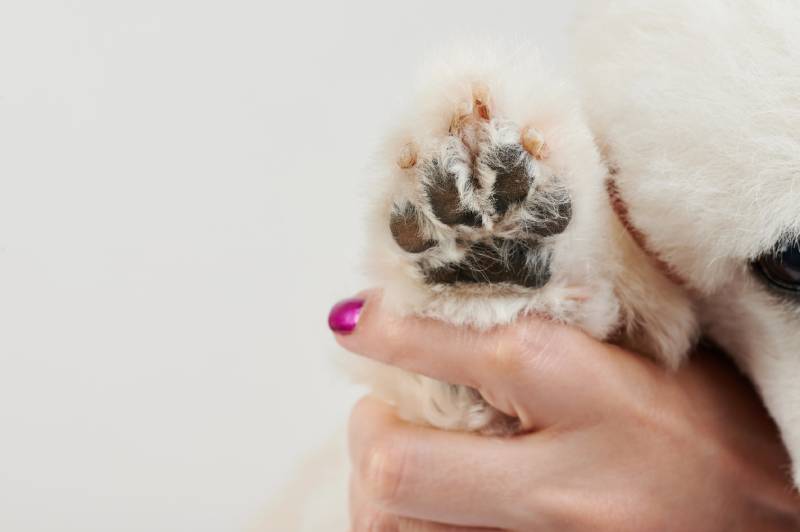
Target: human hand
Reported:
[(612, 441)]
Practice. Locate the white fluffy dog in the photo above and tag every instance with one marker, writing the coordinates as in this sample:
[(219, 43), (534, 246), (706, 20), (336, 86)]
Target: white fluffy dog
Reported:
[(656, 201)]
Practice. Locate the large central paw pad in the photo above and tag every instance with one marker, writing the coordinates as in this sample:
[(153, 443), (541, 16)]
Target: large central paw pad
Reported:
[(484, 206)]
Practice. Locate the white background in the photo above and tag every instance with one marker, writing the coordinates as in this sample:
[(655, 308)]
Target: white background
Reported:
[(181, 198)]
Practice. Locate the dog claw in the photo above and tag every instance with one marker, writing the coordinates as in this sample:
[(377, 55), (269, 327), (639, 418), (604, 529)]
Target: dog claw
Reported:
[(533, 142), (407, 157), (477, 110), (480, 102)]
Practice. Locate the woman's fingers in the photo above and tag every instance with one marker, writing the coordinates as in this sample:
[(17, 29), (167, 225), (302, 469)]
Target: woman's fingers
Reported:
[(531, 362), (429, 347), (431, 475), (366, 517)]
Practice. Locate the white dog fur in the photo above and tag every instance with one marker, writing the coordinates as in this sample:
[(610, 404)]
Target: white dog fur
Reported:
[(696, 104), (693, 110)]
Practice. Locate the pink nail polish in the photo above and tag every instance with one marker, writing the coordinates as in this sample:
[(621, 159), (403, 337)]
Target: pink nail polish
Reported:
[(344, 315)]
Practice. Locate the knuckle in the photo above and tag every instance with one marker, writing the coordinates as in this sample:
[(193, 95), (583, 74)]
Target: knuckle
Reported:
[(526, 352), (509, 351), (384, 472), (359, 417), (360, 409), (544, 339)]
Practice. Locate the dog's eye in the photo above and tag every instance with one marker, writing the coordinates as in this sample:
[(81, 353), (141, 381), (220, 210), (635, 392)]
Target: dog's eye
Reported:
[(782, 268)]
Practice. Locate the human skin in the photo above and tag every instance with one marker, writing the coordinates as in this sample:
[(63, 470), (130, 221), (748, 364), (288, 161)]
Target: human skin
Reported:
[(611, 441)]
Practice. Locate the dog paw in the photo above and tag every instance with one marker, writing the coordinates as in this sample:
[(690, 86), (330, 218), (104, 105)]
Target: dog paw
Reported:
[(474, 217), (479, 206)]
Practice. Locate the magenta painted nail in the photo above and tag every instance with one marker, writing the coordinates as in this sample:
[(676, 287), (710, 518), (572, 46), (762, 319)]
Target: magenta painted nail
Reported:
[(344, 315)]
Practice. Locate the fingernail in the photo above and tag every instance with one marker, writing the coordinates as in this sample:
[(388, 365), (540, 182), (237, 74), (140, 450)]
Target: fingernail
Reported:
[(344, 315)]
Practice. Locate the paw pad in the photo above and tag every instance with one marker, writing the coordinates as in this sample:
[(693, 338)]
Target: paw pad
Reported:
[(407, 231), (514, 176), (495, 261), (445, 199), (486, 206)]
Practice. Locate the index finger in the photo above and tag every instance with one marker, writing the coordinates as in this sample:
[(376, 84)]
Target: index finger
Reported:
[(531, 360)]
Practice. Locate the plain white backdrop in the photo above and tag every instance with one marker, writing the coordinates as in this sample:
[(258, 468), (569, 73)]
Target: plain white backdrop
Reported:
[(181, 200)]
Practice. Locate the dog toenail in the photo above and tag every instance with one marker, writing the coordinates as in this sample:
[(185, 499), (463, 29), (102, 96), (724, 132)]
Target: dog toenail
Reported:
[(480, 95), (533, 142), (407, 157)]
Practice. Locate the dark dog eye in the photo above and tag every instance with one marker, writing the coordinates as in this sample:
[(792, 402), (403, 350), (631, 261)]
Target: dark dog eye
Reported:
[(782, 268)]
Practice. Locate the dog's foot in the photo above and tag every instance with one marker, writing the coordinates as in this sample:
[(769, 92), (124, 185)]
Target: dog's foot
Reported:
[(480, 204), (474, 216)]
